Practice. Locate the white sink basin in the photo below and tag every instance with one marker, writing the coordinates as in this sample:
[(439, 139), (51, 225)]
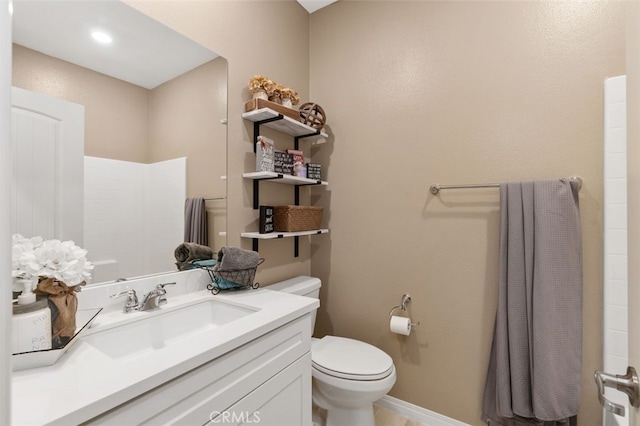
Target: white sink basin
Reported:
[(154, 330)]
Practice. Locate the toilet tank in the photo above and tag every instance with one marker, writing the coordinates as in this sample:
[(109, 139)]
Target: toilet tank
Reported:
[(301, 286)]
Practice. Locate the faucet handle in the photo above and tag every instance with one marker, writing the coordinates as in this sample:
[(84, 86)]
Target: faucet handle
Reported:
[(161, 286), (131, 303), (163, 298)]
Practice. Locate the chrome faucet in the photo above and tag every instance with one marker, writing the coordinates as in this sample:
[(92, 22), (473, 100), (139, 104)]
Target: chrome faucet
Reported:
[(131, 304), (152, 300)]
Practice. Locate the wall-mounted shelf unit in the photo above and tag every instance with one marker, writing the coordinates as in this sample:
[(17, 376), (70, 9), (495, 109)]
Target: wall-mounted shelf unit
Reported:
[(279, 178), (274, 120)]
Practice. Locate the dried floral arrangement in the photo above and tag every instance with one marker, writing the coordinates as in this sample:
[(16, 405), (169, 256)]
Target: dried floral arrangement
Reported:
[(275, 91), (259, 83)]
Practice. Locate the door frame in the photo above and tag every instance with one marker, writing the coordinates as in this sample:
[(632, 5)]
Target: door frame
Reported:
[(632, 38)]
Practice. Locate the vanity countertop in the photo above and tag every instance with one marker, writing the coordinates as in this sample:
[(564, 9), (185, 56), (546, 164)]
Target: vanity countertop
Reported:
[(86, 382)]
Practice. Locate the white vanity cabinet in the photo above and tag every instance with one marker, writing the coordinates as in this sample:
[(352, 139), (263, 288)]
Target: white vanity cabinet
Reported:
[(230, 358), (279, 402), (266, 381)]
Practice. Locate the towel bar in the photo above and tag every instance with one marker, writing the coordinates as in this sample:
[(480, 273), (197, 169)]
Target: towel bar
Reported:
[(436, 187)]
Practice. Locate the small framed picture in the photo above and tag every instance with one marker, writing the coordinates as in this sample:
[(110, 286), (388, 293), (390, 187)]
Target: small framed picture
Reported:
[(266, 219)]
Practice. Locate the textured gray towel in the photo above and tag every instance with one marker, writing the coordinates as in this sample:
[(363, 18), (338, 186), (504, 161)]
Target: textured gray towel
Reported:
[(235, 258), (195, 221), (535, 368), (186, 253)]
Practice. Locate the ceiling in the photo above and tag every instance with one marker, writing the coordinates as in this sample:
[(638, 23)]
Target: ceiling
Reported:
[(62, 29), (313, 5)]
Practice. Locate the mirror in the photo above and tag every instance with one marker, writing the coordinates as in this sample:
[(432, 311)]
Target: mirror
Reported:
[(153, 101)]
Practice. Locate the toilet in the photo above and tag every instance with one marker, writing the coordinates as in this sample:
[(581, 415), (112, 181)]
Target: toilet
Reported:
[(348, 375)]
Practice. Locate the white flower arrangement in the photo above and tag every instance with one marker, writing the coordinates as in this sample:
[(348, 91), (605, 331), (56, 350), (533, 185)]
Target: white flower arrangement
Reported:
[(37, 258)]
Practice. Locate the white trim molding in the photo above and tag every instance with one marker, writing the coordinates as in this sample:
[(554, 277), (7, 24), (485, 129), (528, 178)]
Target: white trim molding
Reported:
[(416, 413), (5, 212)]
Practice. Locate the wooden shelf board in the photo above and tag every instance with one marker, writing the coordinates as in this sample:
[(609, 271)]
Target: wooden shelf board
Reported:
[(287, 125), (285, 179), (275, 235)]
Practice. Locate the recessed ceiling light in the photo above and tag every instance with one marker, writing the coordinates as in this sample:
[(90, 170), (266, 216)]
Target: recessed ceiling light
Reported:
[(101, 37)]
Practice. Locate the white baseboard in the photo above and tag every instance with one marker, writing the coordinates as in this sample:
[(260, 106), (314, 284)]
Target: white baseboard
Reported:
[(419, 414)]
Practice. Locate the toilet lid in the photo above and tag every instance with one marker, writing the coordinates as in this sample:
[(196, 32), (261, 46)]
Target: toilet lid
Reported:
[(350, 359)]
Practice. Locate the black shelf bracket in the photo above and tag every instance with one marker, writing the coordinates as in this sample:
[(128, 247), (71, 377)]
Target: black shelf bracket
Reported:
[(255, 242), (256, 128), (256, 190), (296, 243), (297, 190), (296, 139)]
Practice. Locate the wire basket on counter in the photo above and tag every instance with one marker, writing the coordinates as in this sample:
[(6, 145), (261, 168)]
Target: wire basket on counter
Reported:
[(238, 279)]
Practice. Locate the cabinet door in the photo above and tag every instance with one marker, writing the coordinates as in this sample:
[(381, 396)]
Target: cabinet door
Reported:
[(285, 399)]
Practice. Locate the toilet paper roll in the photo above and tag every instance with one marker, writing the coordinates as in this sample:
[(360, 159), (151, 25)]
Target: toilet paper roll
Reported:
[(400, 325)]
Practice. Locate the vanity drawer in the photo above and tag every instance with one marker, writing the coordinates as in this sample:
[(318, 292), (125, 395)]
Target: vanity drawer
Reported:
[(218, 384)]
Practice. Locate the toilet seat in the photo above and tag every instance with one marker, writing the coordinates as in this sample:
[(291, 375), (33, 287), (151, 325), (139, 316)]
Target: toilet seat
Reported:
[(351, 359)]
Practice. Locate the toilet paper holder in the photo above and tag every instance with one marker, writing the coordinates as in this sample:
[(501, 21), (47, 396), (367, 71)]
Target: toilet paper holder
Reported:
[(406, 298)]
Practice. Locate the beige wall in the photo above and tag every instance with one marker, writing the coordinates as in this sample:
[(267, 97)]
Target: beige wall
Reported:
[(184, 117), (106, 100), (452, 92), (185, 120)]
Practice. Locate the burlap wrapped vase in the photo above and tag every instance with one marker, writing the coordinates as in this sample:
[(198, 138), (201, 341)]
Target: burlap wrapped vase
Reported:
[(64, 305)]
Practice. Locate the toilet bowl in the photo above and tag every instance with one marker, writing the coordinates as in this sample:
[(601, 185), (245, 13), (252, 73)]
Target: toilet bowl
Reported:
[(348, 375)]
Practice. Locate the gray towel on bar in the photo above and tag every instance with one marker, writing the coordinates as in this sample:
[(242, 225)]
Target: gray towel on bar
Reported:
[(187, 253), (235, 258), (535, 369), (195, 221)]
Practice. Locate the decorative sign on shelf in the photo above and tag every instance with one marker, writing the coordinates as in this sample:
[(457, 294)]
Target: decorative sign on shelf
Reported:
[(283, 162), (264, 154), (266, 219), (314, 171)]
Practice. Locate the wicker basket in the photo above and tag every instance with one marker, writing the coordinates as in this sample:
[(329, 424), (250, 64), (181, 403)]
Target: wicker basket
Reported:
[(297, 218)]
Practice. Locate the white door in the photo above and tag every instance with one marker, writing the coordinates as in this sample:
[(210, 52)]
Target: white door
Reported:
[(47, 192)]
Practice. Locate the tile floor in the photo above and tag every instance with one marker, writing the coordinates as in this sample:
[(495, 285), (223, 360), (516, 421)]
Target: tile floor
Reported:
[(385, 417)]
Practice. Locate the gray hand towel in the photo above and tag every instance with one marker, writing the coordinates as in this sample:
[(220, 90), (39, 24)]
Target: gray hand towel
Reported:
[(186, 253), (235, 258), (195, 221)]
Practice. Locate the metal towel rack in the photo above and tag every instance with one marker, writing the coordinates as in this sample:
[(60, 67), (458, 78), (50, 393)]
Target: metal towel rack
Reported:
[(436, 187)]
